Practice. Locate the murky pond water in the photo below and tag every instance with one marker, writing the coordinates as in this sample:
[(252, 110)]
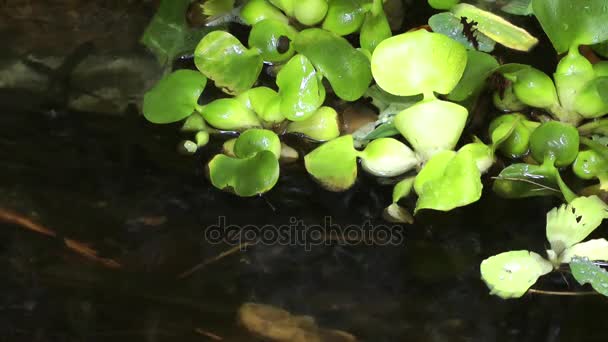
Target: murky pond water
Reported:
[(114, 182)]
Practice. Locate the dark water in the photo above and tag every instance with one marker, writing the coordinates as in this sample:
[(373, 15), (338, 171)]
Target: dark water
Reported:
[(116, 183)]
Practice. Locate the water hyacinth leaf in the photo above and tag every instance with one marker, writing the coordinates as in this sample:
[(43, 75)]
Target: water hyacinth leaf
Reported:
[(479, 67), (310, 12), (394, 212), (334, 164), (344, 16), (570, 23), (571, 223), (272, 37), (255, 140), (555, 141), (418, 62), (586, 272), (592, 100), (518, 7), (194, 123), (244, 177), (590, 164), (174, 97), (229, 114), (212, 8), (255, 11), (418, 124), (387, 157), (525, 180), (448, 24), (347, 69), (300, 90), (443, 4), (375, 27), (221, 57), (454, 181), (496, 28), (511, 274), (511, 133), (481, 153), (596, 249), (322, 125), (258, 98), (403, 188), (383, 131)]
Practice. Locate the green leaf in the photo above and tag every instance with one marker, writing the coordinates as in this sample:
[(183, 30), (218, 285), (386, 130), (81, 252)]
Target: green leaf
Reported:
[(222, 58), (333, 164), (555, 141), (518, 7), (448, 24), (596, 249), (217, 7), (479, 67), (570, 23), (418, 62), (571, 223), (255, 11), (229, 114), (443, 4), (403, 188), (255, 140), (497, 28), (447, 181), (383, 131), (586, 272), (174, 97), (511, 274), (264, 102), (375, 27), (525, 180), (601, 49), (269, 37), (300, 89), (344, 16), (168, 34), (322, 125), (432, 126), (387, 157), (346, 69), (245, 177), (310, 12)]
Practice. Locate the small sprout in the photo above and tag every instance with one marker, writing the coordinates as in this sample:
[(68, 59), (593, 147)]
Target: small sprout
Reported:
[(347, 69), (229, 114), (187, 147), (174, 97), (254, 140), (387, 157), (334, 164), (201, 138), (511, 274), (310, 12), (255, 11), (590, 164), (300, 89), (505, 99), (221, 57), (344, 16), (397, 214), (228, 147), (272, 38), (322, 125), (194, 123), (555, 142)]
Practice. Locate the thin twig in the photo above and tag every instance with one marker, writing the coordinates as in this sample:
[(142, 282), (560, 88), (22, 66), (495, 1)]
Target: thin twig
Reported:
[(526, 181), (216, 258), (563, 293), (208, 334)]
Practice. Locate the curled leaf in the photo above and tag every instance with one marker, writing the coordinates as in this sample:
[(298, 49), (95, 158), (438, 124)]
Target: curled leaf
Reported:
[(245, 177), (334, 164)]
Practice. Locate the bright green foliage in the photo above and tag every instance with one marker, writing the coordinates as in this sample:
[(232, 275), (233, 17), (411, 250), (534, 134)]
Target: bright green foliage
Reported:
[(266, 36), (589, 164), (448, 24), (229, 114), (310, 12), (222, 58), (334, 164), (570, 23), (418, 62), (322, 125), (571, 223), (518, 7), (255, 11), (586, 272), (255, 140), (387, 157), (515, 130), (532, 86), (344, 16), (496, 27), (447, 181), (596, 249), (300, 89), (555, 141), (479, 67), (525, 180), (174, 97), (375, 27), (245, 177), (511, 274), (346, 69), (443, 4), (265, 102)]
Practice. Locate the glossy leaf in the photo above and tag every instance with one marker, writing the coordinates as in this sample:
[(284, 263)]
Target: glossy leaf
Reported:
[(245, 177), (556, 141), (255, 140), (387, 157), (300, 89), (571, 223), (344, 16), (590, 164), (322, 125), (310, 12), (229, 114), (525, 180), (262, 100), (270, 36), (448, 24), (447, 181), (518, 7), (596, 249), (333, 164), (255, 11), (418, 62), (570, 23), (346, 69), (511, 274), (222, 58), (443, 4), (479, 67), (174, 97), (586, 272), (495, 27), (375, 27)]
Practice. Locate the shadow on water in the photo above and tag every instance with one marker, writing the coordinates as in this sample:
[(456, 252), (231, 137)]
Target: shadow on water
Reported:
[(116, 183)]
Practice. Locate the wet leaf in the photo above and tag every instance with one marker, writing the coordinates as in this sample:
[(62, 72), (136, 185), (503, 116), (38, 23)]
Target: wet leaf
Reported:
[(525, 180), (586, 272), (596, 249), (245, 177), (448, 24), (300, 89)]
